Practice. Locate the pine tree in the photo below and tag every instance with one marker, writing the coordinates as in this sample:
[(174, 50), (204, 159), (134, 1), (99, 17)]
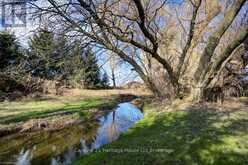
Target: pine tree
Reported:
[(9, 50), (74, 65), (51, 59), (47, 54), (92, 78)]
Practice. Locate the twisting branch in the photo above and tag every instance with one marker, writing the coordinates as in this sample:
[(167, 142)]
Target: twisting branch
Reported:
[(190, 37), (142, 25), (215, 69), (215, 38)]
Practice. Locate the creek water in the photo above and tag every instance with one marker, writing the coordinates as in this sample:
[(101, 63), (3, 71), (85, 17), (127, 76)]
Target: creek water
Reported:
[(61, 147)]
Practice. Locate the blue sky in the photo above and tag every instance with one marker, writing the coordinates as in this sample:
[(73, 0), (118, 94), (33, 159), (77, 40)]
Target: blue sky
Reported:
[(124, 72)]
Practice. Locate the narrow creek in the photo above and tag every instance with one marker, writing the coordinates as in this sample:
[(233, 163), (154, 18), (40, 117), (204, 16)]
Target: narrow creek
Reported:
[(61, 147)]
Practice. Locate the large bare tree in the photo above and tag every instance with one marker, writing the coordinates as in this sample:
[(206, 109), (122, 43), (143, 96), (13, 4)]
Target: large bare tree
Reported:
[(125, 26)]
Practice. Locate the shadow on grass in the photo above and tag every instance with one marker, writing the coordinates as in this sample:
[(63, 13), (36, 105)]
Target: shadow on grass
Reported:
[(42, 111), (68, 108), (195, 136)]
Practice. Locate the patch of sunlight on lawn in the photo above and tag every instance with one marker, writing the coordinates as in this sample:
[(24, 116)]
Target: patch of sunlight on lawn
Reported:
[(22, 111), (191, 137)]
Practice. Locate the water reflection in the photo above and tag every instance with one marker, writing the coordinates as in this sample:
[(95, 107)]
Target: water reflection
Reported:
[(64, 146), (23, 158)]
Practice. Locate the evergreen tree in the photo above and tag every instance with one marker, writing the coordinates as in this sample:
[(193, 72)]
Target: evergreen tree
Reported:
[(47, 54), (9, 50), (51, 58), (92, 79), (74, 65)]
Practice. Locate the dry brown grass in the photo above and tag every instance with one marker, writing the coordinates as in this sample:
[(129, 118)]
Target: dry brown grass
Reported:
[(105, 93)]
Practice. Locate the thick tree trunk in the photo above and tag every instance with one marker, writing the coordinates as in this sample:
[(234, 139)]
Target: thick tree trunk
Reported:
[(215, 69), (215, 38), (151, 85), (196, 93), (208, 86), (204, 72)]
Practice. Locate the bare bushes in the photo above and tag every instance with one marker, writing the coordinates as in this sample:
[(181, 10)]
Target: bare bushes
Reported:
[(12, 88)]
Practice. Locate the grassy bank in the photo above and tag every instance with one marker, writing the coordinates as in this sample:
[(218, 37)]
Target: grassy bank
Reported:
[(182, 134), (73, 101), (50, 112), (26, 109), (23, 111)]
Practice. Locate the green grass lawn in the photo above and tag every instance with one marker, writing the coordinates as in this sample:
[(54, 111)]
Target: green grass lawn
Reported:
[(192, 135), (11, 112)]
